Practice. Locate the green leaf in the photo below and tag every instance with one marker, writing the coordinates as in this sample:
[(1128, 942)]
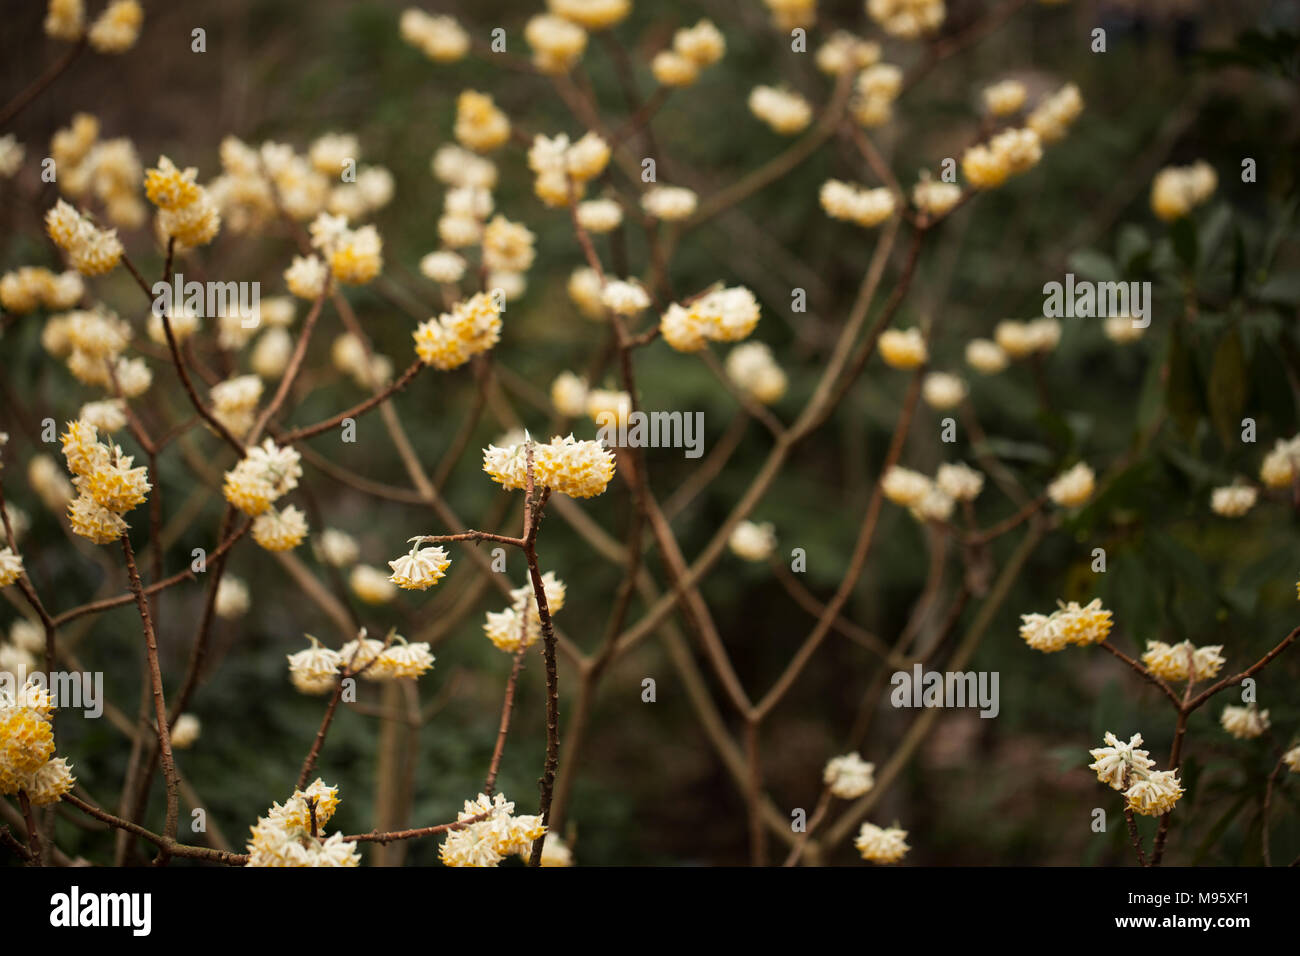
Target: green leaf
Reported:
[(1227, 388), (1281, 289), (1213, 231), (1094, 265), (1133, 249), (1182, 390), (1183, 234)]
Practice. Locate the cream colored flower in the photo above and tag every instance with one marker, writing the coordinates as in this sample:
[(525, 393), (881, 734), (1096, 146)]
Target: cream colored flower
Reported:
[(903, 348), (185, 732), (785, 112), (1116, 762), (419, 569), (1179, 661), (881, 845), (669, 203), (751, 366), (753, 542), (315, 670), (1244, 723), (232, 599), (280, 530), (1073, 487), (371, 584), (849, 776), (1005, 97), (960, 481), (905, 487), (943, 391)]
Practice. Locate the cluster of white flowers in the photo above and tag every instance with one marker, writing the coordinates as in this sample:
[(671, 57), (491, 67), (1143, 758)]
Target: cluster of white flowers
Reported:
[(1069, 624), (1127, 768), (720, 315), (488, 841), (932, 500), (316, 670), (286, 837), (520, 624), (849, 776)]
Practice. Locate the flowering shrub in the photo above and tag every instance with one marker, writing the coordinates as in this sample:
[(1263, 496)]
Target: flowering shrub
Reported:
[(478, 410)]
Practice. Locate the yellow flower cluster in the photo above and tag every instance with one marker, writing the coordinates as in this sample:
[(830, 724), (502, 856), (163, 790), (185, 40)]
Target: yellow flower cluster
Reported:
[(903, 348), (108, 169), (32, 287), (262, 476), (480, 125), (106, 483), (579, 469), (1126, 767), (117, 28), (186, 213), (931, 499), (721, 315), (881, 844), (11, 566), (65, 19), (520, 625), (1282, 463), (280, 530), (1177, 190), (557, 43), (874, 93), (91, 343), (1051, 119), (1069, 624), (792, 14), (508, 246), (1233, 501), (1019, 340), (784, 111), (453, 338), (284, 837), (1245, 723), (1005, 98), (27, 747), (866, 207), (752, 367), (91, 250), (693, 49), (1183, 661), (420, 568), (489, 841), (934, 197), (669, 203), (1073, 487), (563, 169), (355, 256), (592, 14), (1011, 152), (440, 38), (846, 53), (315, 670), (908, 19), (234, 402)]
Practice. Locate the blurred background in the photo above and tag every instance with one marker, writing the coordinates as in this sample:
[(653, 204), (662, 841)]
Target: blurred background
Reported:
[(1179, 81)]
